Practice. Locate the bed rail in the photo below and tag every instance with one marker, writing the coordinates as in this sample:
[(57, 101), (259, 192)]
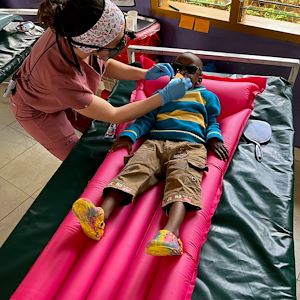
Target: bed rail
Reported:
[(20, 11), (292, 63)]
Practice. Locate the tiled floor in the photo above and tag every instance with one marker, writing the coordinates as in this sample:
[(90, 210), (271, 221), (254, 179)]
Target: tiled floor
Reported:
[(21, 178)]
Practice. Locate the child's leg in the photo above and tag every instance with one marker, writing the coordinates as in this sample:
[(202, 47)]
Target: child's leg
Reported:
[(183, 178), (138, 174), (111, 201), (92, 218), (166, 242), (176, 216)]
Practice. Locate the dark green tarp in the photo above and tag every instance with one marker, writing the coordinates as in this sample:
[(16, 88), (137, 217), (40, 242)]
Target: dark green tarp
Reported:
[(14, 46), (249, 251), (5, 19)]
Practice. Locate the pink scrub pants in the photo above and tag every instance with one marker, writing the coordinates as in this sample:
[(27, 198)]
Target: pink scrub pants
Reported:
[(52, 130)]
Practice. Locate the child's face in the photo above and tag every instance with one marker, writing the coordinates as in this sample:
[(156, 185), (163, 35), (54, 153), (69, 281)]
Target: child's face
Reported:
[(190, 66)]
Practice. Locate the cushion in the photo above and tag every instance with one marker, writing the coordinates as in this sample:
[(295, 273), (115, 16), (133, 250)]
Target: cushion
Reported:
[(234, 93)]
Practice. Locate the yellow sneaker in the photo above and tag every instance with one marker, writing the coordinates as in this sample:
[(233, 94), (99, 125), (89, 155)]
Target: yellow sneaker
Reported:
[(91, 218), (165, 243)]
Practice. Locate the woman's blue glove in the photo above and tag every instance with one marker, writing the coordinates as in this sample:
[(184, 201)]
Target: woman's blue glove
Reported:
[(159, 70), (175, 89)]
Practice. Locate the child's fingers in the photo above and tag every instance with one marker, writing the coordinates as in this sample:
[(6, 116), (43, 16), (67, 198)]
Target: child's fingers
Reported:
[(222, 155), (225, 151), (115, 146), (129, 148)]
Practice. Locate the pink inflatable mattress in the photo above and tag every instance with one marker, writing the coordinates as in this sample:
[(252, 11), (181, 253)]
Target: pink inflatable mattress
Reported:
[(74, 267)]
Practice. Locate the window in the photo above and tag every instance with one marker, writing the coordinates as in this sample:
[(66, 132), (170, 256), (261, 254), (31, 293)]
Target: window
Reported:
[(124, 2), (278, 19), (284, 10), (220, 4)]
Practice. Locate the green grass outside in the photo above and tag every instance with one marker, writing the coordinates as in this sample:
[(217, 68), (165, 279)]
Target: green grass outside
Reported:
[(255, 8)]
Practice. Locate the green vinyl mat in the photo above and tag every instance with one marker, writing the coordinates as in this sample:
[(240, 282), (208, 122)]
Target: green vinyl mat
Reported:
[(249, 253), (14, 46)]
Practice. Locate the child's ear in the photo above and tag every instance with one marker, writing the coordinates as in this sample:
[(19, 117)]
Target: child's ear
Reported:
[(199, 81)]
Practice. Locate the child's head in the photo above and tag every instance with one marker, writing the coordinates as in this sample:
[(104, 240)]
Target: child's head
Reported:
[(189, 65)]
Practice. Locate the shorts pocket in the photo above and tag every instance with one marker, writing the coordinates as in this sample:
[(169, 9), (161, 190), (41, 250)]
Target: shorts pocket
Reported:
[(197, 163), (194, 171)]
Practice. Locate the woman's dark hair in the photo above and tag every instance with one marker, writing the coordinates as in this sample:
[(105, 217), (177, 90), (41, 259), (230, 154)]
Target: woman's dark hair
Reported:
[(70, 17)]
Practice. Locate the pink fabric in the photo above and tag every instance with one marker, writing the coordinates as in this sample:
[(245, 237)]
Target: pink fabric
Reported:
[(151, 30), (54, 131), (47, 85), (74, 267)]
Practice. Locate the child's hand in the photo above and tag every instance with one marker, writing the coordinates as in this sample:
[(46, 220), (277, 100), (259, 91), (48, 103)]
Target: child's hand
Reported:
[(217, 147), (122, 142)]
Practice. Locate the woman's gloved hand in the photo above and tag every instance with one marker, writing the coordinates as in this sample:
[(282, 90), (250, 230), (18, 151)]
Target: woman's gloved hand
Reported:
[(159, 70), (175, 89)]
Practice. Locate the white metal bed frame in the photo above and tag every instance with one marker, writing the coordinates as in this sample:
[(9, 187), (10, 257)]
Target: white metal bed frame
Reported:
[(20, 11), (292, 63)]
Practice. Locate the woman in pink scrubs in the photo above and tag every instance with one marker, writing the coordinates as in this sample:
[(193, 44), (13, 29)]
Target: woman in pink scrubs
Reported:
[(57, 75)]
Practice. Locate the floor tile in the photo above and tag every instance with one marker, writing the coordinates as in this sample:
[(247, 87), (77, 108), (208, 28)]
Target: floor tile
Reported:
[(13, 143), (15, 125), (6, 115), (297, 243), (8, 224), (297, 253), (298, 290), (2, 89), (297, 216), (2, 125), (11, 197), (36, 193), (31, 170)]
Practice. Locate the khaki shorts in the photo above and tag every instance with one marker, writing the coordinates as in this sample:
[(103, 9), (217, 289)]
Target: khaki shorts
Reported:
[(181, 164)]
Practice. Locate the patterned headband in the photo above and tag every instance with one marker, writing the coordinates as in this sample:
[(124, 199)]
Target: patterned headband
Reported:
[(105, 30)]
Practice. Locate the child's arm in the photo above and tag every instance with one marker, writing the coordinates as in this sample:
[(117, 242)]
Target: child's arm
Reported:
[(217, 147), (140, 127), (213, 110), (134, 131), (214, 139)]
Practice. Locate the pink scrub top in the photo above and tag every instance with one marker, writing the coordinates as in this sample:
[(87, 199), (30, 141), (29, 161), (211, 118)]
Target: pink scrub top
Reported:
[(48, 83)]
